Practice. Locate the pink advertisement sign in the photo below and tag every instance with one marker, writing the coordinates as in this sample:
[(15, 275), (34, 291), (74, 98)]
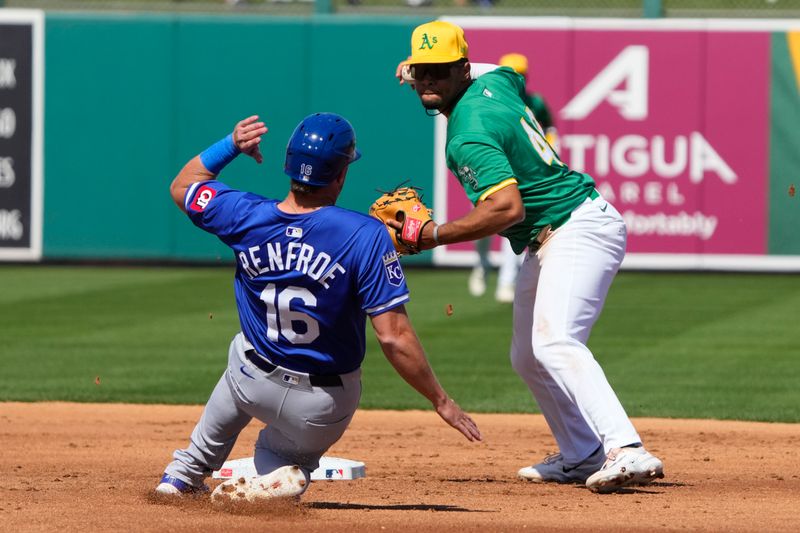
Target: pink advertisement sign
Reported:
[(672, 125)]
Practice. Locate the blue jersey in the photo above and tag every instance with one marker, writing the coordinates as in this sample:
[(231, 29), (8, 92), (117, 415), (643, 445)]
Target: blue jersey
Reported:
[(304, 282)]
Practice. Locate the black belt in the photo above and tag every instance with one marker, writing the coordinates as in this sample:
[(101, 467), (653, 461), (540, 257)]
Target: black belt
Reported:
[(316, 381)]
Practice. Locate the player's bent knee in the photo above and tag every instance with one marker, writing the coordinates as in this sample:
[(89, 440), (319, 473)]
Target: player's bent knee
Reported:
[(559, 354)]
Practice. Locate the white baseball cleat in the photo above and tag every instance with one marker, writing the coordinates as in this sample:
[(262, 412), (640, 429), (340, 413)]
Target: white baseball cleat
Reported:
[(625, 467), (168, 490), (504, 294), (284, 482), (554, 469), (477, 281)]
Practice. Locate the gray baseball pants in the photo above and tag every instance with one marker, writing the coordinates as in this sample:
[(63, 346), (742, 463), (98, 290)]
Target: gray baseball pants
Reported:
[(302, 421)]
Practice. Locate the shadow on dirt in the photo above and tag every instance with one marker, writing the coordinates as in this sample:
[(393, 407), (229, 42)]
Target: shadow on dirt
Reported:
[(398, 507)]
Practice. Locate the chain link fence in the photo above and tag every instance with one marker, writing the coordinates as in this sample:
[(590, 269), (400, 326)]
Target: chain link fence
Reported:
[(242, 7), (435, 8), (732, 8)]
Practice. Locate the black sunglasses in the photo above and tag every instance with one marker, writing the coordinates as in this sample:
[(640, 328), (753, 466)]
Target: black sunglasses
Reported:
[(437, 71)]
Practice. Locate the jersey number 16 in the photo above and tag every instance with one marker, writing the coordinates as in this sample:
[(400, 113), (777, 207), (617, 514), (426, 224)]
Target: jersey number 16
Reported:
[(281, 317)]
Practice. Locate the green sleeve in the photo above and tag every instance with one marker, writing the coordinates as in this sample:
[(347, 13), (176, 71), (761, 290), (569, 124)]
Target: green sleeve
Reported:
[(479, 164)]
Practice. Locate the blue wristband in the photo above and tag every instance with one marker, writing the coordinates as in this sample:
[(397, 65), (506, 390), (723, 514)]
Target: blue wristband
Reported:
[(219, 154)]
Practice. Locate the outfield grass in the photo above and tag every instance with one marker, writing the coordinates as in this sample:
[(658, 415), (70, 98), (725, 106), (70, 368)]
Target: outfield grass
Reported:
[(675, 345)]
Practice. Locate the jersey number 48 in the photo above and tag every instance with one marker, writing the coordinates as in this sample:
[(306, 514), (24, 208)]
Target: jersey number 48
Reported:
[(538, 141)]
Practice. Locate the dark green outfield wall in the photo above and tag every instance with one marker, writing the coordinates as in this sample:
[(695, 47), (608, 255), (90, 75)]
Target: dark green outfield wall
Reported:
[(130, 98), (784, 216)]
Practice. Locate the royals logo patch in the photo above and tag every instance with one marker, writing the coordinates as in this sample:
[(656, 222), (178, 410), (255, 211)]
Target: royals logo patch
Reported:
[(394, 272)]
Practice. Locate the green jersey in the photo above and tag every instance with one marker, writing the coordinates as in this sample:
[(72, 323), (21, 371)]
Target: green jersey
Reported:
[(540, 110), (493, 141)]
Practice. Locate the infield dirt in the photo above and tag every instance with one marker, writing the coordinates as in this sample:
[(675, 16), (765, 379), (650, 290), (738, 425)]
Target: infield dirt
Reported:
[(92, 467)]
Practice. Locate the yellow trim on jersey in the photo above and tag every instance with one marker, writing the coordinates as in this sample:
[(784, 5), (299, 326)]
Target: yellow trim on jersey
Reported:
[(502, 185), (794, 51)]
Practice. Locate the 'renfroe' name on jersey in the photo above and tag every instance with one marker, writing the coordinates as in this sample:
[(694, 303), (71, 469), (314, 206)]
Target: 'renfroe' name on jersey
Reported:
[(302, 257)]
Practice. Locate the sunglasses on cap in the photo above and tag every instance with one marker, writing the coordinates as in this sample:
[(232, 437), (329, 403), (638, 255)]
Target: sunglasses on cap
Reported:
[(437, 71)]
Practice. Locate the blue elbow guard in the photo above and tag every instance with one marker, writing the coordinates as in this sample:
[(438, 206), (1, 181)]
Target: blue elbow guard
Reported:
[(219, 154)]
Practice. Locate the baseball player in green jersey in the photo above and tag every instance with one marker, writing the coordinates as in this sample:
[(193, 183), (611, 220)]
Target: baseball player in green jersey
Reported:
[(575, 240), (509, 261)]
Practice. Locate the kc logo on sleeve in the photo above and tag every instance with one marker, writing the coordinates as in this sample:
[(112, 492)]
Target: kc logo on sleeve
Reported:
[(201, 198), (394, 272)]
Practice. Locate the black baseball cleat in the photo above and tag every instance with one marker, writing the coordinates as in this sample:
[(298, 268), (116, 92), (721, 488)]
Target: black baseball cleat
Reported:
[(555, 470)]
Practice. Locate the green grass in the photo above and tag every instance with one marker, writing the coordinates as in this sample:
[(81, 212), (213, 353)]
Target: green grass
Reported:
[(677, 345)]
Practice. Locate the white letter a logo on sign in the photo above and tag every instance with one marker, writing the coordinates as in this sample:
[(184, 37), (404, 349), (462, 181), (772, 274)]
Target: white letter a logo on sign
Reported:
[(630, 66)]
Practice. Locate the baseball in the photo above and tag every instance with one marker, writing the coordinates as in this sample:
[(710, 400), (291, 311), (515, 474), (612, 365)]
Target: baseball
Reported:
[(405, 72)]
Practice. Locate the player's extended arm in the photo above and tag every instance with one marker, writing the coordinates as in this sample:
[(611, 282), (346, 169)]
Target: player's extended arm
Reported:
[(496, 212), (477, 70), (245, 139), (402, 348)]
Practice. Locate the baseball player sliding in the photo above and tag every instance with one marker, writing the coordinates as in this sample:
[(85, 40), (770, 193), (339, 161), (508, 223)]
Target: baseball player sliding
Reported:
[(576, 242), (308, 274)]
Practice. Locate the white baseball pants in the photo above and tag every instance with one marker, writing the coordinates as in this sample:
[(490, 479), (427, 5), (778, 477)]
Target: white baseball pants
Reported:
[(560, 292)]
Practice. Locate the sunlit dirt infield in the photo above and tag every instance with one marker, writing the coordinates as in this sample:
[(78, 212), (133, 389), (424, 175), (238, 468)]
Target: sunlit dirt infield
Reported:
[(92, 467)]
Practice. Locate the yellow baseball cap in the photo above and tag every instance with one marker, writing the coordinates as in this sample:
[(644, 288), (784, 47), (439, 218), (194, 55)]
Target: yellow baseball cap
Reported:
[(516, 61), (437, 42)]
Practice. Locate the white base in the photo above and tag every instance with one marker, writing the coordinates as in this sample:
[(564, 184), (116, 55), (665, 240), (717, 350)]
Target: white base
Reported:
[(330, 468)]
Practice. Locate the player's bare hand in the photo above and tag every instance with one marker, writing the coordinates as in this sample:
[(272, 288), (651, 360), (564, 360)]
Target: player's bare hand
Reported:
[(453, 415), (395, 224), (247, 136)]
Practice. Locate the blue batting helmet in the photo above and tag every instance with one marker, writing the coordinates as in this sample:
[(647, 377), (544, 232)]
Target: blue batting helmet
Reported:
[(321, 146)]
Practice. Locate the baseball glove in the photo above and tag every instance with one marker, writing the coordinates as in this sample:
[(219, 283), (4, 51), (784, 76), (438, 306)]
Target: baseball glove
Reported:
[(404, 205)]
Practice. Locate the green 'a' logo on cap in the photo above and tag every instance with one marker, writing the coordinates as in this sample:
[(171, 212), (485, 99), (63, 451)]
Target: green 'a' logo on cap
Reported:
[(427, 42)]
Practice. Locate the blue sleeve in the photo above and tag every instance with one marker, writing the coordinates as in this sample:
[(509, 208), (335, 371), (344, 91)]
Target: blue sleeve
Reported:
[(215, 207), (381, 282)]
